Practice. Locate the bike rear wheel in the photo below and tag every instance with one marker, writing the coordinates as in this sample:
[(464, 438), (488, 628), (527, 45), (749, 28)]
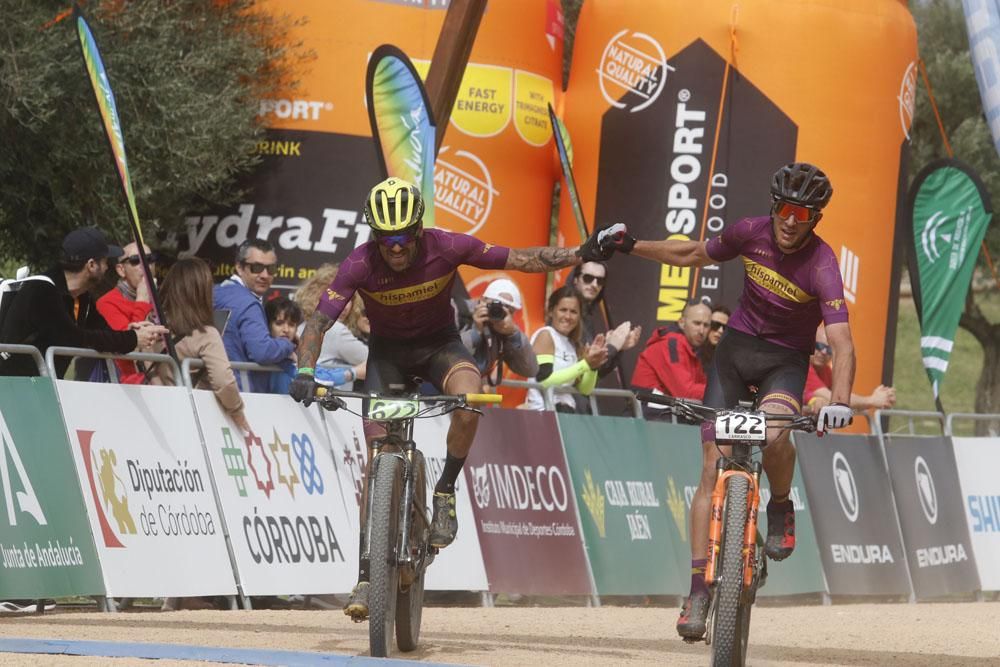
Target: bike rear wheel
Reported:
[(730, 624), (384, 522), (410, 599)]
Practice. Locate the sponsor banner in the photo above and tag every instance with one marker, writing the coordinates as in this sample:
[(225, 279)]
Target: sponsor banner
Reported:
[(929, 502), (625, 506), (950, 210), (978, 460), (46, 549), (458, 567), (280, 497), (525, 512), (494, 174), (677, 452), (680, 113), (147, 490), (848, 487)]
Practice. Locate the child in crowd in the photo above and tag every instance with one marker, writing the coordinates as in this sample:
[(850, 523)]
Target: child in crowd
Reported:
[(283, 318)]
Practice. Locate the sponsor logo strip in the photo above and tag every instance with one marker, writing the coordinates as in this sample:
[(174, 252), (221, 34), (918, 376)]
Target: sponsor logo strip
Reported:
[(775, 283)]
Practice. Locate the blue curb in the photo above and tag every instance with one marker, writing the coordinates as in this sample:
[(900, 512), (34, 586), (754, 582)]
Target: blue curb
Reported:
[(242, 656)]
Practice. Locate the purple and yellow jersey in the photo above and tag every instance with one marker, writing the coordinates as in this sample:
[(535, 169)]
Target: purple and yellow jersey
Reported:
[(414, 302), (785, 296)]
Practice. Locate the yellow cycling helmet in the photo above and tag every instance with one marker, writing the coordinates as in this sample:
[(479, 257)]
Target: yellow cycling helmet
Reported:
[(394, 205)]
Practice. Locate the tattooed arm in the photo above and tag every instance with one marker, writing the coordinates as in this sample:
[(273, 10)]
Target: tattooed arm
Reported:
[(541, 259), (312, 339)]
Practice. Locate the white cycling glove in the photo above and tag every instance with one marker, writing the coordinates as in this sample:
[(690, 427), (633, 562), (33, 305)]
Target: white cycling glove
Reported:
[(833, 416)]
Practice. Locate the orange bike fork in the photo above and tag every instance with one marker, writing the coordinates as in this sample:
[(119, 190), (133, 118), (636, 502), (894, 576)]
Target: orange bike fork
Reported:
[(715, 525)]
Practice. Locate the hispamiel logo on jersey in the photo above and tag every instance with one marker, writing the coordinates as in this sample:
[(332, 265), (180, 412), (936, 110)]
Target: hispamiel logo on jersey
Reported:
[(632, 62), (463, 191)]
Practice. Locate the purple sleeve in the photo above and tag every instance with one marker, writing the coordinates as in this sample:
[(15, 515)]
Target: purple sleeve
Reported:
[(829, 287), (349, 277), (729, 243), (470, 250)]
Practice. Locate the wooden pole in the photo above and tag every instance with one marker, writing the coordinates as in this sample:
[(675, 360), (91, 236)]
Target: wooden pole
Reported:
[(454, 45)]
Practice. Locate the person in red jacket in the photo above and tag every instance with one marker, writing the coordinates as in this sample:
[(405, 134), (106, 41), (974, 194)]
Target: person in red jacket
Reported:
[(670, 362), (127, 302)]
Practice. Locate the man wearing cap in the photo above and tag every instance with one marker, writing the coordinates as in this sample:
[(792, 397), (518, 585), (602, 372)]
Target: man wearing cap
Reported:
[(128, 301), (61, 312), (494, 338)]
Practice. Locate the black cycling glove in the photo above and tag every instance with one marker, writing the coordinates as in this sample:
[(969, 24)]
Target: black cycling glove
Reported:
[(591, 250), (303, 387), (615, 237)]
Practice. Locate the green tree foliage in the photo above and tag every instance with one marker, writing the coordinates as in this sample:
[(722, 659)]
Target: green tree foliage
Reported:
[(944, 46), (187, 76)]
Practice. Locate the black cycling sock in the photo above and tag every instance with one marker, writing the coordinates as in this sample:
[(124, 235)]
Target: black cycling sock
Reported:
[(698, 585), (452, 467)]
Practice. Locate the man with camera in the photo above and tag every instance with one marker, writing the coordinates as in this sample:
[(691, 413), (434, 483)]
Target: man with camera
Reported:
[(494, 338)]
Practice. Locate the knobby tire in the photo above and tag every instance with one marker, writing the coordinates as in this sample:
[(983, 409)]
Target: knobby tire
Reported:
[(384, 521), (728, 631), (410, 602)]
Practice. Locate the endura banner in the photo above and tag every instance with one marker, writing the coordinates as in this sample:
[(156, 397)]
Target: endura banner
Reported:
[(929, 502), (46, 549), (147, 490), (852, 508)]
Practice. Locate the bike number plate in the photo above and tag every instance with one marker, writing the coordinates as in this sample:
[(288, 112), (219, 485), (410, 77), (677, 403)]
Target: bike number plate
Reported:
[(386, 409), (740, 426)]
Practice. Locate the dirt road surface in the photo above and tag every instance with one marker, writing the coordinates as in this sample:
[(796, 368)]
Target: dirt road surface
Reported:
[(857, 634)]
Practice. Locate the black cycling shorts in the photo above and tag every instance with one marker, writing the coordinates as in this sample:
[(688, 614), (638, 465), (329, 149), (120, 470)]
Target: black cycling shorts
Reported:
[(743, 361), (396, 365)]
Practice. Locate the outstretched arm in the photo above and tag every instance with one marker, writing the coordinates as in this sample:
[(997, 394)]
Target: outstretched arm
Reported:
[(312, 339), (674, 252), (839, 335), (541, 259)]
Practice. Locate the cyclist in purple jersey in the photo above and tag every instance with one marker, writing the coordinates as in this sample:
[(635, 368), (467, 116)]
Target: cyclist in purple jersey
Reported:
[(405, 274), (792, 282)]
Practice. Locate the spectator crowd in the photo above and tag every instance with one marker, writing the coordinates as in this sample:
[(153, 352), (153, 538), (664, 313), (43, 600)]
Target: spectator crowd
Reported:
[(243, 319)]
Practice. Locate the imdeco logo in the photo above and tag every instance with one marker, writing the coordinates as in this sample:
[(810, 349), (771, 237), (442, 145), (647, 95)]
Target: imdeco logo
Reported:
[(632, 62)]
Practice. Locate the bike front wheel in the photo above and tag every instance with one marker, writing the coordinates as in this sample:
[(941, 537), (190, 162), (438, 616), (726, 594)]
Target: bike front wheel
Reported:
[(410, 600), (384, 522), (730, 623)]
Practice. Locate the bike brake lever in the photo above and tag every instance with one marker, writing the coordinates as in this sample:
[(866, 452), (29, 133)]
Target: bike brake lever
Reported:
[(332, 403), (471, 409)]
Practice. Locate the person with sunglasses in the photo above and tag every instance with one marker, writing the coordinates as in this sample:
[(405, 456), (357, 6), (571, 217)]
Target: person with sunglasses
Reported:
[(127, 302), (405, 275), (247, 336), (792, 283), (817, 392), (589, 280)]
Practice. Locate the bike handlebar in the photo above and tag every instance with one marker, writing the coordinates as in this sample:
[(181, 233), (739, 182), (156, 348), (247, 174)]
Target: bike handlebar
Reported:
[(326, 394), (698, 411)]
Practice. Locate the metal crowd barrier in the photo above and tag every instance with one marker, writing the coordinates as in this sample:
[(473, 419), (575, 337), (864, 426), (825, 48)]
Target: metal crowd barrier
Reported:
[(30, 350), (911, 416), (993, 421), (548, 394), (108, 357)]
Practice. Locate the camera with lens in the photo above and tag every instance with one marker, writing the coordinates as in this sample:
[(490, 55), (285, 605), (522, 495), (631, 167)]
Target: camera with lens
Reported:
[(496, 311)]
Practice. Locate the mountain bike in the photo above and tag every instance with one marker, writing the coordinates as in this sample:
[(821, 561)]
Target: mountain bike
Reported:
[(395, 524), (737, 565)]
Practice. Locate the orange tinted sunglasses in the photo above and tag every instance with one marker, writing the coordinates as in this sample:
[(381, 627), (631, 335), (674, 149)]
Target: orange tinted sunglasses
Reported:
[(802, 214)]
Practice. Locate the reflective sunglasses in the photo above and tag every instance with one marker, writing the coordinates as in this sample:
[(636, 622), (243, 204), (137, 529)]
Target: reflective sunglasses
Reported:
[(135, 260), (717, 326), (590, 278), (259, 267), (823, 348), (390, 240), (801, 214)]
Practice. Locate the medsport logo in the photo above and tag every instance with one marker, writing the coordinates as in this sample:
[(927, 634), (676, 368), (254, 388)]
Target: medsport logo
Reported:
[(464, 189), (847, 489), (925, 489), (632, 62)]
